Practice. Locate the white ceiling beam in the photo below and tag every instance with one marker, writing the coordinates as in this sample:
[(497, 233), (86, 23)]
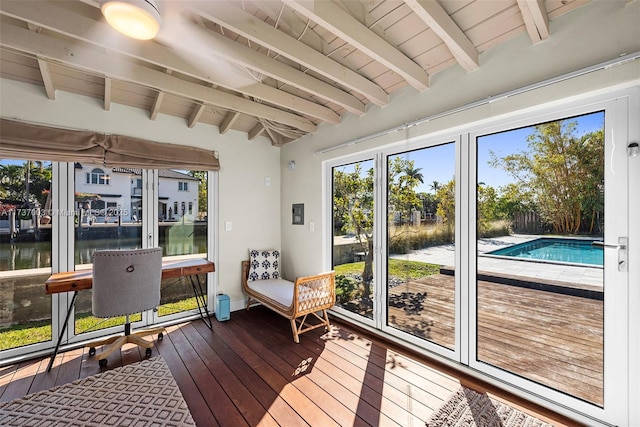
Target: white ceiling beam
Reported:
[(335, 19), (198, 109), (245, 56), (107, 93), (246, 25), (61, 19), (256, 131), (536, 19), (46, 79), (68, 53), (441, 23), (228, 121), (157, 104)]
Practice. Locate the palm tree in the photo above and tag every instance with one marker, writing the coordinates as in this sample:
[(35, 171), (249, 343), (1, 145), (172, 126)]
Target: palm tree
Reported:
[(414, 173), (435, 186)]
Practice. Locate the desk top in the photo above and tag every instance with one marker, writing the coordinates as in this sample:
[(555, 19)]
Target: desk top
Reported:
[(83, 279)]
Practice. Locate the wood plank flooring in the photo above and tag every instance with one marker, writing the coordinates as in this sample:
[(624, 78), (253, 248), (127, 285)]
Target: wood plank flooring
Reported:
[(548, 337), (248, 371)]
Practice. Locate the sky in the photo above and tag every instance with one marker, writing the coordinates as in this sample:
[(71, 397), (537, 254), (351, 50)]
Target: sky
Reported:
[(438, 162)]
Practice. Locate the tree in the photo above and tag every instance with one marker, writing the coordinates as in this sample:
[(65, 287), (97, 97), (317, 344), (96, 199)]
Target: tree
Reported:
[(402, 180), (565, 174), (446, 211), (353, 204), (27, 182), (202, 190)]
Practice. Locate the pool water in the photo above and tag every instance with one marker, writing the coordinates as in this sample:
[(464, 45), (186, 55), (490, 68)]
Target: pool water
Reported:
[(574, 251)]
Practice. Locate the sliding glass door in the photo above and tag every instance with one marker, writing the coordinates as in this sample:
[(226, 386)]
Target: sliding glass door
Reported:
[(550, 260), (182, 230), (421, 245), (353, 237), (502, 247)]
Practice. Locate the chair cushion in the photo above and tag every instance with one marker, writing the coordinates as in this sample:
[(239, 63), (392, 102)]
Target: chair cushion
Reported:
[(264, 264), (279, 290)]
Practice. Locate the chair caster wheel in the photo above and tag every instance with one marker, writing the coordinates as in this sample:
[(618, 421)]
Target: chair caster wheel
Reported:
[(102, 363), (160, 336), (147, 352), (92, 351)]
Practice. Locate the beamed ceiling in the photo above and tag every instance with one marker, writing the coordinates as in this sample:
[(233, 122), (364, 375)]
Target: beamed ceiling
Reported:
[(271, 68)]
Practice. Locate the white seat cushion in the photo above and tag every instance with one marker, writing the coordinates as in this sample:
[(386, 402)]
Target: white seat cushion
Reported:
[(279, 290)]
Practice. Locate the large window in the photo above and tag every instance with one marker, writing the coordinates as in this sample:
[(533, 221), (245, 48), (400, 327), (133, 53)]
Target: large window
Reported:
[(87, 219), (353, 236), (540, 281), (26, 221), (504, 248), (421, 243), (103, 221), (183, 234)]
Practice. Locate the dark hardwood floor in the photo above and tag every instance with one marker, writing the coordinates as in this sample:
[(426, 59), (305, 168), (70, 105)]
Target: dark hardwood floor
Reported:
[(248, 371)]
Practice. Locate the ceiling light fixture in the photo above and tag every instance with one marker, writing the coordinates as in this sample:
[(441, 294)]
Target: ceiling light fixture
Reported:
[(138, 19)]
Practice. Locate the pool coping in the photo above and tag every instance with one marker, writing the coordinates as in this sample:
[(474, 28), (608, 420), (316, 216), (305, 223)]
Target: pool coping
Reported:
[(565, 288)]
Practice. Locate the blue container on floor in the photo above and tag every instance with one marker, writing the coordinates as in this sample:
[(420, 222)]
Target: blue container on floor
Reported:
[(222, 307)]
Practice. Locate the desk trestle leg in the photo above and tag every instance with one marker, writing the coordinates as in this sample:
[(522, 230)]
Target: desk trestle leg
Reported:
[(64, 328)]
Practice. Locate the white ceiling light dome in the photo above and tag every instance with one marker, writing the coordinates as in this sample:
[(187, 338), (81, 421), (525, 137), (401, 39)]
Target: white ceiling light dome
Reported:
[(138, 19)]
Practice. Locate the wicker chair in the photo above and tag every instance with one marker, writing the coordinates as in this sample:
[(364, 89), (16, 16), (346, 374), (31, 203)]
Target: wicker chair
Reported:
[(307, 296)]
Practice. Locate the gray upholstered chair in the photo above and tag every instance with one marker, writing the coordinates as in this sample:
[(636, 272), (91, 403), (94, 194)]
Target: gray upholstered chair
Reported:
[(125, 282)]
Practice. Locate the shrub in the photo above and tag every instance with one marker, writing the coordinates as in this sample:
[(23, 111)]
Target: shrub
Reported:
[(346, 288)]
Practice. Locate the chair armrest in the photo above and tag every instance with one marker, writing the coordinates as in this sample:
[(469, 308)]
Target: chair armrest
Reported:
[(313, 293)]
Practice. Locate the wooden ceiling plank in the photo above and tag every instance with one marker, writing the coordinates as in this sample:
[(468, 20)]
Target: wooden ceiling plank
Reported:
[(107, 93), (228, 121), (536, 19), (256, 131), (59, 19), (335, 19), (198, 109), (441, 23), (46, 79), (17, 38), (246, 25)]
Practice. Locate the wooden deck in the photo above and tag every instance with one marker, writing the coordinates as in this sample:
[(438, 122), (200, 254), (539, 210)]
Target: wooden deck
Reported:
[(549, 337), (248, 371)]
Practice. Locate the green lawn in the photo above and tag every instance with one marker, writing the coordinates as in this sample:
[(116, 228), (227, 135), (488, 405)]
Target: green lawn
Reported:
[(35, 332), (406, 270)]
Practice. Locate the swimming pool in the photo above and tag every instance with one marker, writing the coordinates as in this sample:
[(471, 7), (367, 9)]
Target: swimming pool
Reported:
[(556, 250)]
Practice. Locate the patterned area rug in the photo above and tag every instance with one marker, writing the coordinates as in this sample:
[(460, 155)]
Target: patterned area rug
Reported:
[(140, 394), (469, 408)]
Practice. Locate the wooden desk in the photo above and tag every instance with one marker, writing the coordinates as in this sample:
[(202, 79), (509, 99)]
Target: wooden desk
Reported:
[(74, 281)]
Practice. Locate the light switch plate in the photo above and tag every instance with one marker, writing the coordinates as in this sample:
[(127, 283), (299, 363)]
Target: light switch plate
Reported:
[(267, 181), (312, 226), (227, 226)]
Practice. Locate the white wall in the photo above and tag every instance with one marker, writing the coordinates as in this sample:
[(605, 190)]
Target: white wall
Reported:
[(252, 208)]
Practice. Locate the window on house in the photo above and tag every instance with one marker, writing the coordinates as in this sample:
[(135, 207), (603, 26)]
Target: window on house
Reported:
[(97, 176), (182, 186), (190, 208)]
